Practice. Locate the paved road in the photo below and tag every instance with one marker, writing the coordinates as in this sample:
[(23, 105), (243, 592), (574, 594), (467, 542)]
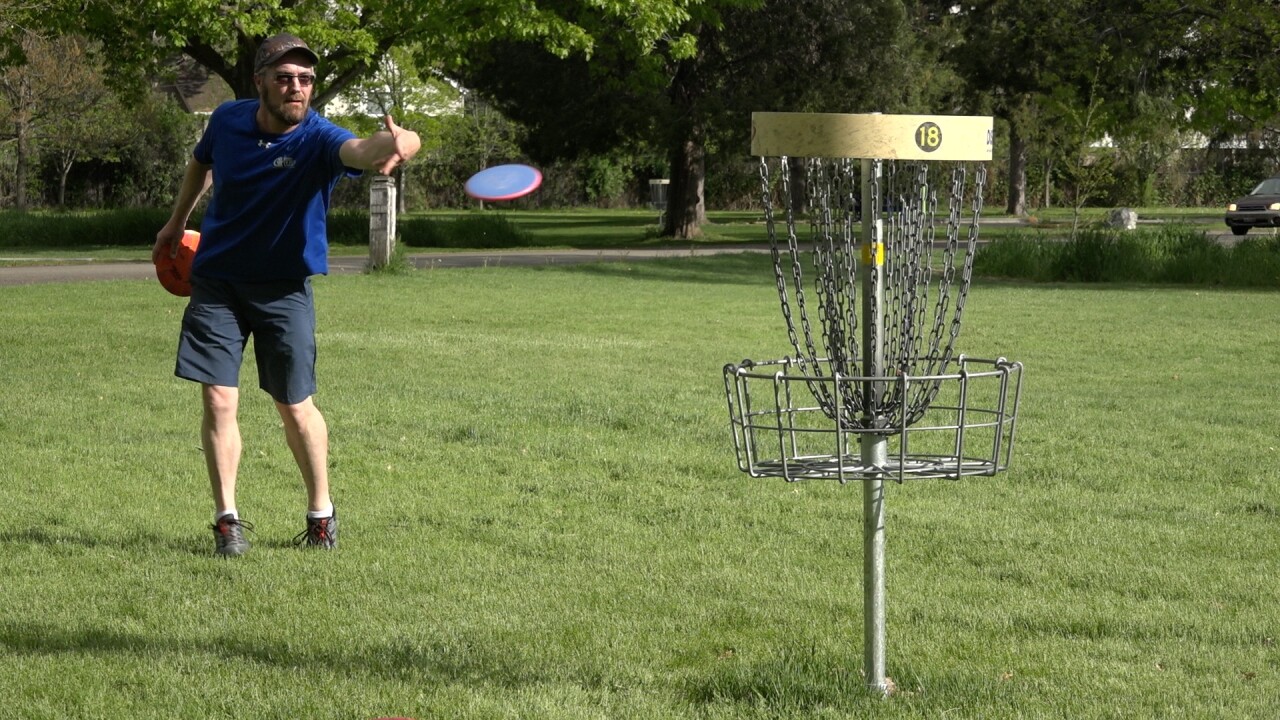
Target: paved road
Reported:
[(88, 271)]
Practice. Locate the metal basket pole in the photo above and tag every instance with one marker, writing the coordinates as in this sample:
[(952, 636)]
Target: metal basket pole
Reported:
[(875, 446), (878, 405)]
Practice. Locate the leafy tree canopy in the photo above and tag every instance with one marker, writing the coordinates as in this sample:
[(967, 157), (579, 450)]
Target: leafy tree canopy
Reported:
[(747, 55), (222, 35)]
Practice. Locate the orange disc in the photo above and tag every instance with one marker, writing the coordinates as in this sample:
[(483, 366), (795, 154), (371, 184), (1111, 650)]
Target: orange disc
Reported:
[(174, 273)]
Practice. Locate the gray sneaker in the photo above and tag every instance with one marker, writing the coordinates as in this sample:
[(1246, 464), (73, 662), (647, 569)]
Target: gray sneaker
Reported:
[(228, 536), (320, 532)]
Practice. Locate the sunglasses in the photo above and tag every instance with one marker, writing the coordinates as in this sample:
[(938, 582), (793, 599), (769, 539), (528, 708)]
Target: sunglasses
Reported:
[(286, 79)]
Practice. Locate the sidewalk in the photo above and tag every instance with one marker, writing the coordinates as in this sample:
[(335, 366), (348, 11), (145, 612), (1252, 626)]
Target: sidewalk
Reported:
[(70, 271)]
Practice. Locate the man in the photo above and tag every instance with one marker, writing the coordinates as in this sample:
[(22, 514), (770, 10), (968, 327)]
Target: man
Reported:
[(272, 164)]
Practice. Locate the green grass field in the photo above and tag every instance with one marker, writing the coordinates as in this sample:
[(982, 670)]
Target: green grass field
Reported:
[(542, 517)]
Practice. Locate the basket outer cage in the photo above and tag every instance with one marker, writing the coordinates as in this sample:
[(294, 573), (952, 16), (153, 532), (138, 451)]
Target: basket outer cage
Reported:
[(779, 430)]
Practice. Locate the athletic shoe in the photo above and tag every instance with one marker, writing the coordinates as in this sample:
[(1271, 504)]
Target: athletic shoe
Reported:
[(320, 532), (228, 535)]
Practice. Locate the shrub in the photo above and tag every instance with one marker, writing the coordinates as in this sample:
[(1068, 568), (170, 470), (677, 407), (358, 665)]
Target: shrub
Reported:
[(477, 230), (1108, 255), (117, 228), (606, 179), (1016, 256), (1168, 254), (349, 227), (1190, 257), (1255, 263)]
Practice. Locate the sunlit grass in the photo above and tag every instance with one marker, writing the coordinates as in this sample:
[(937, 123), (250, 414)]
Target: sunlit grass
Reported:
[(542, 517)]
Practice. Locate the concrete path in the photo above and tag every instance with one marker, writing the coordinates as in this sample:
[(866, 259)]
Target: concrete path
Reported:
[(71, 271)]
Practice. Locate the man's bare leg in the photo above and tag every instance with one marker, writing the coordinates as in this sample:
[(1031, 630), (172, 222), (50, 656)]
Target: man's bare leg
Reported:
[(220, 434), (308, 438)]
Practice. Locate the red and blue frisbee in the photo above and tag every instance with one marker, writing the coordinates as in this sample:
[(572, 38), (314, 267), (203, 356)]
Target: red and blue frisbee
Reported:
[(503, 182)]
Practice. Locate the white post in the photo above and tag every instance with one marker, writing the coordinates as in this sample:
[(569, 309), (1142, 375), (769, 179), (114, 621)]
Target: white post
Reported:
[(382, 221)]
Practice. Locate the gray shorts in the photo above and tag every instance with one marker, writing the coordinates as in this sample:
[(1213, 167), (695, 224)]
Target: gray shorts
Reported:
[(281, 317)]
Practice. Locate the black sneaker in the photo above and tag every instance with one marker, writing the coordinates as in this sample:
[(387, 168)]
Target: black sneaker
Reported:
[(228, 536), (320, 532)]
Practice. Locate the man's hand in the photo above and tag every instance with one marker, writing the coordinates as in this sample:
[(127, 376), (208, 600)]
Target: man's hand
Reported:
[(382, 151), (404, 145), (168, 240)]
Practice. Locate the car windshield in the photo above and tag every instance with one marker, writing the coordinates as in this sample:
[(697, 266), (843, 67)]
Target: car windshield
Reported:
[(1270, 186)]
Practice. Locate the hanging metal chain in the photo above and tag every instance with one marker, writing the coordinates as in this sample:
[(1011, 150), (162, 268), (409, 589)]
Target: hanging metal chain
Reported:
[(940, 356), (808, 357), (812, 356), (842, 279), (766, 198), (914, 341)]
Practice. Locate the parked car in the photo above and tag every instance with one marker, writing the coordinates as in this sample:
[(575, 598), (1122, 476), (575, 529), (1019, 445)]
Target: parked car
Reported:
[(1260, 208)]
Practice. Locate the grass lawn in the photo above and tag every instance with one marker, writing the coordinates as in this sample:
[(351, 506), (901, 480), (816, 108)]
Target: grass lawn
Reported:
[(542, 517)]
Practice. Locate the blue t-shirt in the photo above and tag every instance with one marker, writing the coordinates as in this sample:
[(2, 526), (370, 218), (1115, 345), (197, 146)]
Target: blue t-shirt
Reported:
[(267, 217)]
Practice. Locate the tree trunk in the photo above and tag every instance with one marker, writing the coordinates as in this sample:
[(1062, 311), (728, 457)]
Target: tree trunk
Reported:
[(66, 161), (686, 210), (1017, 172), (62, 185), (21, 165), (1048, 184)]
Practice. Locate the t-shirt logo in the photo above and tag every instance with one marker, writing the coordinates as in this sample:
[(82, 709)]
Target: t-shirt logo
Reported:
[(283, 162)]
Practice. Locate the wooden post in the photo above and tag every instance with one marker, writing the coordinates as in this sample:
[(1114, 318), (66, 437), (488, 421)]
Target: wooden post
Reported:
[(382, 221)]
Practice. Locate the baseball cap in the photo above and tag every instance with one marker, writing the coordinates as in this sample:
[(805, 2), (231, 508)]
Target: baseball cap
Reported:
[(277, 46)]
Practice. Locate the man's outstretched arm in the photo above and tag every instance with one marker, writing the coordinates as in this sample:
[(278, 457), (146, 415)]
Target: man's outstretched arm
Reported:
[(382, 151)]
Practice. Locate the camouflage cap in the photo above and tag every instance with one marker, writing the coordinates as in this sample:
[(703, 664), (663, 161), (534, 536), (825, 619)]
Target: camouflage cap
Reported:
[(277, 46)]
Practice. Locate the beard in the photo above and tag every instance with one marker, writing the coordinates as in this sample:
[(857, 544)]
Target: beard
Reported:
[(282, 110)]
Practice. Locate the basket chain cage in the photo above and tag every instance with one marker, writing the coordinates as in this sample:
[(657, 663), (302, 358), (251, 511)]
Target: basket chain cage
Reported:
[(928, 248)]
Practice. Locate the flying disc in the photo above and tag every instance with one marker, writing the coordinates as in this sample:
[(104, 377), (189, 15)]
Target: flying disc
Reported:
[(503, 182), (174, 273)]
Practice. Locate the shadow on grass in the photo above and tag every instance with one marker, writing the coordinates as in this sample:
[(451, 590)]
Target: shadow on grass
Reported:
[(131, 540), (199, 543), (444, 659), (799, 680)]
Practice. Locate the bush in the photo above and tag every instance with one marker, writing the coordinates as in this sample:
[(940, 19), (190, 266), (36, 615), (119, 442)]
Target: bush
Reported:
[(1016, 256), (475, 230), (1190, 257), (606, 179), (1255, 263), (135, 228), (478, 230), (349, 227), (1103, 255), (118, 228), (1169, 254)]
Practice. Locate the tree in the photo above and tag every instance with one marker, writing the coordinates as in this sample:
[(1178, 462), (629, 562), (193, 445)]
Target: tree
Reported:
[(350, 38), (416, 97), (1085, 166), (1206, 63), (1015, 53), (1229, 70), (49, 105), (18, 18), (698, 92)]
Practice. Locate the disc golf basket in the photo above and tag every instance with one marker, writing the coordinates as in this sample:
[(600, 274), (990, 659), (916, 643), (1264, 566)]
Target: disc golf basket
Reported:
[(873, 300)]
